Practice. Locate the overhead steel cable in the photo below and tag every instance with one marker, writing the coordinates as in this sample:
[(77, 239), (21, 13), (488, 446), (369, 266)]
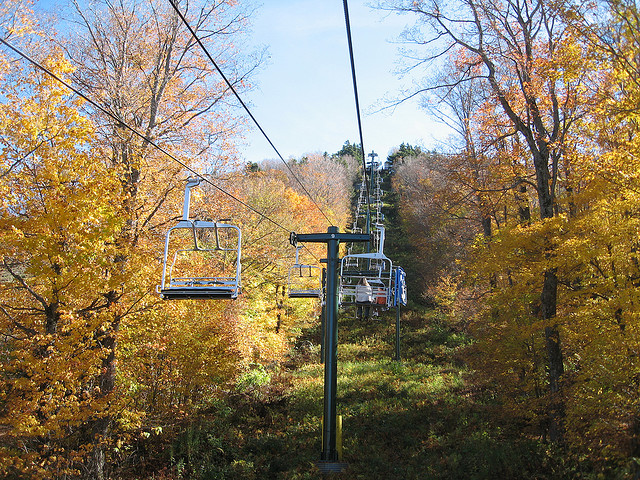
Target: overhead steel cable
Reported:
[(244, 105), (136, 132), (355, 93), (147, 139)]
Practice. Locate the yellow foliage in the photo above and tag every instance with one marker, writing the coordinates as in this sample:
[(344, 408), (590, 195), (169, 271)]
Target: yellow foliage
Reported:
[(58, 227)]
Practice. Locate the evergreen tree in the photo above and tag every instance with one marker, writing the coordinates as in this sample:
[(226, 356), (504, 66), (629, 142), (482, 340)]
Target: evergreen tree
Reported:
[(405, 150), (349, 149)]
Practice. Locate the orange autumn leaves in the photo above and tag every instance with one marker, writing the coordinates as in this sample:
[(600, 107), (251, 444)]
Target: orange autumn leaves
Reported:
[(81, 256), (567, 95)]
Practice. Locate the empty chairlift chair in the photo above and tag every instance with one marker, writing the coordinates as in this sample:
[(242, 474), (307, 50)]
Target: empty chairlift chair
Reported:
[(201, 258), (304, 281)]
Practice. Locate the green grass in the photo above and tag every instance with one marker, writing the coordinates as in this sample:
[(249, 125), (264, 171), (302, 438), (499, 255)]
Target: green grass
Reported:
[(419, 419)]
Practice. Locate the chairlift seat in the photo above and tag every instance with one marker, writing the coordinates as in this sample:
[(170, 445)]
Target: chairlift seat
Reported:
[(218, 260), (304, 281), (360, 273), (375, 267), (177, 293), (184, 287), (313, 293)]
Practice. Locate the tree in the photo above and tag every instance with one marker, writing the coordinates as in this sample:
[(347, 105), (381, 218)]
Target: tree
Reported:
[(328, 182), (437, 203), (404, 151), (353, 150), (59, 222), (150, 74), (604, 245), (520, 51), (142, 67)]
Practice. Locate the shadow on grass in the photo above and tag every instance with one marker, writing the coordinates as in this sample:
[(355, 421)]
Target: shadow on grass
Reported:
[(412, 420), (419, 419)]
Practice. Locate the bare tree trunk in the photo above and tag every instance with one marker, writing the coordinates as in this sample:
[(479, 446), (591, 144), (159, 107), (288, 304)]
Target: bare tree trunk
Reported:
[(549, 302), (555, 366)]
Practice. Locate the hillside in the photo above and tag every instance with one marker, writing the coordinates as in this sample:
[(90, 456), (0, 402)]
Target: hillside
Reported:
[(421, 418)]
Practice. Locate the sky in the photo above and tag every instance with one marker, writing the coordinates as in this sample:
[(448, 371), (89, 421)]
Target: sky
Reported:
[(303, 96)]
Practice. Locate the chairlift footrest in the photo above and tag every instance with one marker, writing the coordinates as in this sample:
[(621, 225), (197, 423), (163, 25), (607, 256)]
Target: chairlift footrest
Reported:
[(189, 293)]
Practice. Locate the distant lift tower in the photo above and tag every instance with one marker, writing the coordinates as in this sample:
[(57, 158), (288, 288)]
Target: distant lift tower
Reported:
[(373, 156)]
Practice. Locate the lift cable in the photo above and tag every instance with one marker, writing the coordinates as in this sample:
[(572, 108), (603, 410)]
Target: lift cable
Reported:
[(136, 132), (231, 87), (147, 139), (355, 92)]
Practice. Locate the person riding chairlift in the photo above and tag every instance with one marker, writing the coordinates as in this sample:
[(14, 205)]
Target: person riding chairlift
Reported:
[(364, 292), (364, 297)]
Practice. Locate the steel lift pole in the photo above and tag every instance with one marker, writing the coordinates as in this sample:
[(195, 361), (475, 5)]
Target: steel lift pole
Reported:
[(329, 457)]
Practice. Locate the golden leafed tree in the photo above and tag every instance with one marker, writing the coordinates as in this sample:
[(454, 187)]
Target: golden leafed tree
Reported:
[(82, 230), (534, 72), (60, 219)]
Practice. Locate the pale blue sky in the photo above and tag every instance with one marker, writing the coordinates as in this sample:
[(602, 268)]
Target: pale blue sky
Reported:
[(304, 96)]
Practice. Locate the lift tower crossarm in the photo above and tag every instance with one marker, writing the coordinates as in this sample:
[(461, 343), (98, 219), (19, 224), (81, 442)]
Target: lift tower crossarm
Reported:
[(326, 237)]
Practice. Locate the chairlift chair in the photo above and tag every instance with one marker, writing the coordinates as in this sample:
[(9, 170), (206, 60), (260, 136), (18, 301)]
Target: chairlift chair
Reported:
[(304, 281), (201, 258), (375, 268), (352, 263)]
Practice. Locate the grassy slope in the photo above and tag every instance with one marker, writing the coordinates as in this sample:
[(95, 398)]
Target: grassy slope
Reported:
[(422, 418), (413, 420), (418, 419)]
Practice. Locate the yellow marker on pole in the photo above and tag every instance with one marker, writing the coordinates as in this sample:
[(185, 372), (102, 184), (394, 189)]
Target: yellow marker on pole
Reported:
[(339, 436)]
